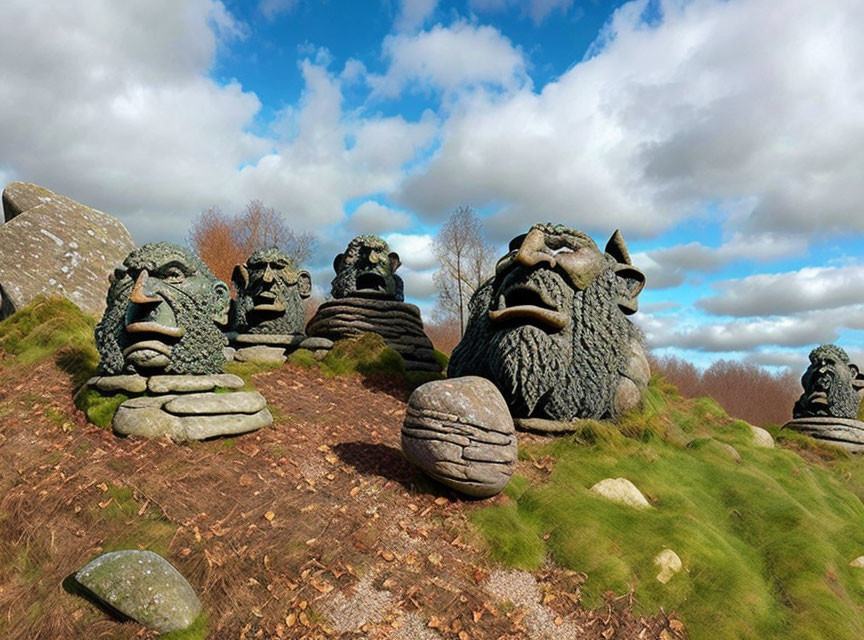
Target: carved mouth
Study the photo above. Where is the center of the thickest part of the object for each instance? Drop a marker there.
(268, 301)
(148, 354)
(371, 283)
(818, 397)
(524, 302)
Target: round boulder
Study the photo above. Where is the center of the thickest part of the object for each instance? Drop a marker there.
(459, 432)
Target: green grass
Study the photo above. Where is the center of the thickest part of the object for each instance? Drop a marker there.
(766, 543)
(367, 355)
(198, 630)
(52, 327)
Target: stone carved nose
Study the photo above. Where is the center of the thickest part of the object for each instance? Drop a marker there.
(533, 250)
(139, 293)
(268, 275)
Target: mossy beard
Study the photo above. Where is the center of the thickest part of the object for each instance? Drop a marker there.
(548, 372)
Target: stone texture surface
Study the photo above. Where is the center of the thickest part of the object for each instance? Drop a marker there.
(143, 586)
(669, 564)
(276, 339)
(129, 383)
(52, 245)
(762, 438)
(857, 563)
(460, 433)
(842, 432)
(191, 384)
(261, 353)
(192, 416)
(621, 490)
(216, 403)
(399, 323)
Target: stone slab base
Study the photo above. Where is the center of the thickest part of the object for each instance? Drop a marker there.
(399, 323)
(258, 347)
(195, 416)
(842, 432)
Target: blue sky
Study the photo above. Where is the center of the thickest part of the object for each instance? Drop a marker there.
(721, 137)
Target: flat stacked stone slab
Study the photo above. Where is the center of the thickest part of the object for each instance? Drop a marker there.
(399, 323)
(263, 347)
(842, 432)
(460, 433)
(185, 407)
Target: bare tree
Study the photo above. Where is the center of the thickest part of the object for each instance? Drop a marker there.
(223, 241)
(466, 259)
(262, 227)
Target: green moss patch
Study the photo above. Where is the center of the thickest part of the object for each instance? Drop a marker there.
(765, 543)
(367, 355)
(52, 327)
(98, 407)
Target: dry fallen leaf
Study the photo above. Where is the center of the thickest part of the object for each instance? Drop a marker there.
(270, 515)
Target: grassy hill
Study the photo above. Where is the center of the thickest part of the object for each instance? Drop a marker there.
(317, 527)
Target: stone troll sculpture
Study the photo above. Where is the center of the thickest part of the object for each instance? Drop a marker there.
(550, 331)
(828, 408)
(368, 296)
(268, 315)
(161, 338)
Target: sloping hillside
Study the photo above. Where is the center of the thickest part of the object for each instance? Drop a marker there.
(317, 527)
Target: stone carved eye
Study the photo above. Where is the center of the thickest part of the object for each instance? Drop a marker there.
(173, 275)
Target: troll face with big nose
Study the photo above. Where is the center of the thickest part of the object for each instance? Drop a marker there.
(165, 313)
(550, 328)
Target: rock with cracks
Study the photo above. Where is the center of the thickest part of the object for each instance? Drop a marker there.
(461, 434)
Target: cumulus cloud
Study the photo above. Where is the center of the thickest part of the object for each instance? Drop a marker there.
(669, 267)
(538, 10)
(418, 284)
(448, 59)
(415, 250)
(414, 13)
(718, 102)
(790, 292)
(373, 217)
(122, 115)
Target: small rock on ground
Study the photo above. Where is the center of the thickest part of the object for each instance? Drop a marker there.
(762, 438)
(669, 564)
(143, 586)
(621, 490)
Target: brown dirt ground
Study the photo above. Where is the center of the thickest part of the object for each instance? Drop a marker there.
(313, 528)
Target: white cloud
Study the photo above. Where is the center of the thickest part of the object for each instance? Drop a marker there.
(449, 59)
(538, 10)
(414, 13)
(418, 284)
(273, 8)
(725, 102)
(415, 250)
(121, 115)
(373, 217)
(669, 266)
(808, 289)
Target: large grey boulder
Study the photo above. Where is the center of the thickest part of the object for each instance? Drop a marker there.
(143, 586)
(460, 433)
(52, 245)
